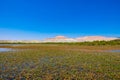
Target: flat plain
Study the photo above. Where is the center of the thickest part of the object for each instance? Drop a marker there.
(60, 62)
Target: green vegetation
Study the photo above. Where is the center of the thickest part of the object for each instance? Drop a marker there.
(60, 62)
(87, 43)
(94, 43)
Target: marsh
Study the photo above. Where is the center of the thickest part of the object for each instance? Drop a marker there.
(47, 62)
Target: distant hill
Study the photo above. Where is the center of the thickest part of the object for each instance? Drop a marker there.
(63, 39)
(79, 39)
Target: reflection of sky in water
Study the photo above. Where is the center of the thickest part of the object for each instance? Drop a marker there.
(10, 44)
(5, 49)
(113, 51)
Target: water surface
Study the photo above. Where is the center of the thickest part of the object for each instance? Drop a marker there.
(11, 44)
(5, 49)
(113, 51)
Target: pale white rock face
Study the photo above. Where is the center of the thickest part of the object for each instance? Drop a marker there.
(21, 41)
(60, 39)
(80, 39)
(65, 39)
(94, 38)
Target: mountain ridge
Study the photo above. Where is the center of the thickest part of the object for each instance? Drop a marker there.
(64, 39)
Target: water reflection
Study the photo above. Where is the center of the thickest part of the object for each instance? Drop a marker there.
(112, 51)
(5, 49)
(11, 44)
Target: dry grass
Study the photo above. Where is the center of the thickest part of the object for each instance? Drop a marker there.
(60, 62)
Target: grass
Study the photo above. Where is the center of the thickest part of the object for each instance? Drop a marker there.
(60, 62)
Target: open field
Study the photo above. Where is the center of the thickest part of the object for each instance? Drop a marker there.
(60, 62)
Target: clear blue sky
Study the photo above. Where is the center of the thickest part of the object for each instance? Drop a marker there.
(38, 19)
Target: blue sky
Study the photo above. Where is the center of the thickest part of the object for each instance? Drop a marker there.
(39, 19)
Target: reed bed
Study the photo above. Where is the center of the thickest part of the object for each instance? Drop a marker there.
(59, 62)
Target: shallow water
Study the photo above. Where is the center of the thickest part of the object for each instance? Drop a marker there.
(5, 49)
(113, 51)
(11, 44)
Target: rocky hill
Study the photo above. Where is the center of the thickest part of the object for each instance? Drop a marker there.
(63, 39)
